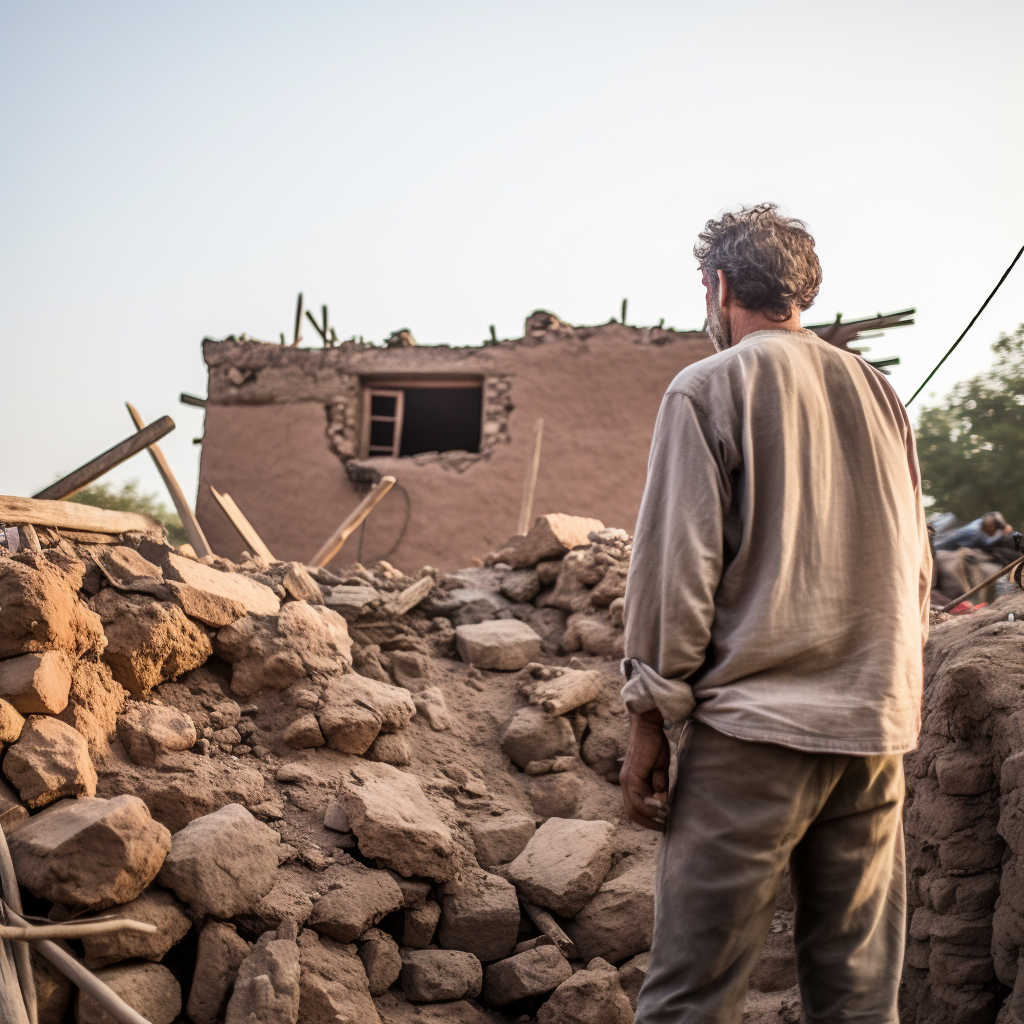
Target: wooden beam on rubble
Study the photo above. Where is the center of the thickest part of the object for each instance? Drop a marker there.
(85, 475)
(69, 515)
(337, 539)
(193, 530)
(530, 481)
(242, 526)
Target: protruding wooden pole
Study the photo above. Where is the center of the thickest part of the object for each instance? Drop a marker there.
(334, 543)
(85, 475)
(298, 322)
(243, 526)
(530, 481)
(193, 530)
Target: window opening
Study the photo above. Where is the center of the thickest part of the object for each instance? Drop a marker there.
(415, 416)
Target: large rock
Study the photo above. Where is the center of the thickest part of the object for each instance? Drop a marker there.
(94, 702)
(419, 925)
(381, 959)
(440, 975)
(223, 863)
(394, 822)
(632, 975)
(36, 684)
(267, 986)
(501, 838)
(90, 852)
(593, 996)
(154, 906)
(361, 898)
(148, 730)
(149, 989)
(288, 900)
(550, 536)
(220, 953)
(49, 761)
(526, 975)
(42, 612)
(148, 641)
(564, 864)
(11, 723)
(333, 987)
(480, 915)
(355, 709)
(275, 651)
(619, 921)
(534, 736)
(503, 645)
(255, 598)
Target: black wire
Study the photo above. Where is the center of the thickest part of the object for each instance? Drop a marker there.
(401, 533)
(1006, 274)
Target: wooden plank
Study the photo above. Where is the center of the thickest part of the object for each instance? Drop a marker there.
(334, 543)
(72, 516)
(193, 530)
(243, 526)
(530, 481)
(85, 475)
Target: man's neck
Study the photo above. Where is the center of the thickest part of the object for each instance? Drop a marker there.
(744, 321)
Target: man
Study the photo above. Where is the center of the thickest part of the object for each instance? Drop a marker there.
(777, 602)
(987, 532)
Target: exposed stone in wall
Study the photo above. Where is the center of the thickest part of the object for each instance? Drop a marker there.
(343, 417)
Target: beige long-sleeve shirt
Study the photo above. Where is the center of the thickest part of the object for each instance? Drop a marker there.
(780, 576)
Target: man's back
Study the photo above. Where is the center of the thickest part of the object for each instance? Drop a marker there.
(781, 561)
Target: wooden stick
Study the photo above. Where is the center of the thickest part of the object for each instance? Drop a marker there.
(84, 475)
(334, 543)
(549, 926)
(298, 322)
(193, 530)
(406, 600)
(19, 954)
(186, 399)
(70, 515)
(95, 989)
(530, 481)
(566, 692)
(70, 930)
(243, 526)
(981, 586)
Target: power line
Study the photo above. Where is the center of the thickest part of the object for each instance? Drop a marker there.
(1006, 274)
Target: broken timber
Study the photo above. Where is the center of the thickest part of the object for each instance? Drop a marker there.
(70, 515)
(84, 475)
(337, 539)
(242, 525)
(564, 693)
(188, 519)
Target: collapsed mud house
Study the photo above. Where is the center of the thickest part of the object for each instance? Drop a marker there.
(297, 435)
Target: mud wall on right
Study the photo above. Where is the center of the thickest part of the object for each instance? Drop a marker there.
(964, 824)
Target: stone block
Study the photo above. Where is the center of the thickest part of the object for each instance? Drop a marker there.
(394, 822)
(154, 906)
(550, 536)
(504, 645)
(90, 853)
(532, 735)
(564, 864)
(440, 975)
(333, 987)
(521, 585)
(11, 723)
(390, 748)
(304, 733)
(36, 684)
(480, 915)
(419, 924)
(500, 839)
(219, 954)
(210, 609)
(301, 585)
(555, 796)
(632, 974)
(95, 700)
(255, 598)
(593, 996)
(381, 959)
(525, 976)
(963, 774)
(355, 709)
(619, 921)
(49, 761)
(267, 986)
(223, 863)
(148, 730)
(149, 989)
(359, 898)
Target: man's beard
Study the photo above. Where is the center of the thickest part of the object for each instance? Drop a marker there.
(718, 329)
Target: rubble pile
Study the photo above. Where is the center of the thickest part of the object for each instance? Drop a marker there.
(352, 797)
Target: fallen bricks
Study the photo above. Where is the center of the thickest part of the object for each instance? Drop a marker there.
(350, 796)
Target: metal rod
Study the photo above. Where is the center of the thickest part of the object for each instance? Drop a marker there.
(84, 475)
(981, 586)
(334, 543)
(193, 530)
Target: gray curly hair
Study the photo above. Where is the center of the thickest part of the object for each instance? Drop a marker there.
(768, 260)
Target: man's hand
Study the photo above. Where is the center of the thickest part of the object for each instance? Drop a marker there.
(644, 775)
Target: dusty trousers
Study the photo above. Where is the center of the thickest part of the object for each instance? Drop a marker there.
(739, 812)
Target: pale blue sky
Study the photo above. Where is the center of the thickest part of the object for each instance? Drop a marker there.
(179, 170)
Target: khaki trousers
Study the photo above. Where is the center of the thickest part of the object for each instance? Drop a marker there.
(739, 812)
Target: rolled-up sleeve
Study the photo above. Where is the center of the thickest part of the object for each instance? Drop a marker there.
(677, 560)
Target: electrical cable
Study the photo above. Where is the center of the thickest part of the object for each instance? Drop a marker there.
(1006, 274)
(401, 533)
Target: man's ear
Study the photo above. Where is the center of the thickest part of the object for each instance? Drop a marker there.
(724, 291)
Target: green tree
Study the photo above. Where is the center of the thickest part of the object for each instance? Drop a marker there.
(129, 499)
(972, 445)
